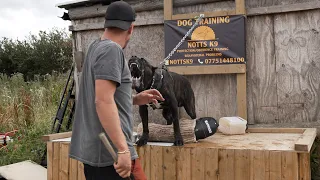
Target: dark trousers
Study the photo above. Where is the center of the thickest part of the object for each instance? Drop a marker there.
(109, 173)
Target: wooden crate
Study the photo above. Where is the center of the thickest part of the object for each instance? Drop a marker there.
(261, 154)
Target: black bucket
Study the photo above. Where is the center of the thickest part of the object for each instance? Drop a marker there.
(205, 127)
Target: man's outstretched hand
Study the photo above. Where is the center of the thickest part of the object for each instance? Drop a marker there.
(147, 96)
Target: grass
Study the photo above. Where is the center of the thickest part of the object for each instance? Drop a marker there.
(28, 107)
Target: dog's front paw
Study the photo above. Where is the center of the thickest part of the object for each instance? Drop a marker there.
(143, 140)
(178, 141)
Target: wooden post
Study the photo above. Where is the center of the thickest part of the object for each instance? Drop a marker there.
(240, 7)
(168, 9)
(241, 78)
(242, 95)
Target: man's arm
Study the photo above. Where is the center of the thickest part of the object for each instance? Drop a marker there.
(107, 72)
(108, 113)
(146, 97)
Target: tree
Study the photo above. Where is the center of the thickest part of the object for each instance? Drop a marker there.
(36, 55)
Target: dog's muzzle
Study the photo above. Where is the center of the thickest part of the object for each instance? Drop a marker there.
(136, 74)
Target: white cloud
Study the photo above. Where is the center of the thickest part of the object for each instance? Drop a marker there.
(21, 17)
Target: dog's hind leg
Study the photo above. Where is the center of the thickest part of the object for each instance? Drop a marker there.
(143, 111)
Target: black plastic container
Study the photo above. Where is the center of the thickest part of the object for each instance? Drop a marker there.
(205, 127)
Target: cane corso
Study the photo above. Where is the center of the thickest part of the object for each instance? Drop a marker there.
(175, 89)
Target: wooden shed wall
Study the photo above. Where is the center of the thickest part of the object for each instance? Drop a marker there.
(283, 64)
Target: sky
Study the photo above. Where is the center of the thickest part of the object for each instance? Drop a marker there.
(19, 18)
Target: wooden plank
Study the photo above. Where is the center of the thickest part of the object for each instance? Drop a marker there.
(168, 9)
(283, 8)
(156, 160)
(56, 161)
(143, 19)
(276, 130)
(275, 165)
(304, 166)
(170, 163)
(242, 164)
(262, 3)
(144, 156)
(223, 97)
(64, 161)
(50, 151)
(198, 158)
(206, 14)
(242, 95)
(51, 137)
(78, 58)
(226, 164)
(267, 164)
(100, 26)
(73, 169)
(184, 164)
(214, 69)
(24, 170)
(240, 7)
(208, 95)
(297, 65)
(211, 164)
(139, 6)
(158, 20)
(258, 165)
(306, 141)
(81, 171)
(99, 10)
(262, 77)
(298, 125)
(289, 168)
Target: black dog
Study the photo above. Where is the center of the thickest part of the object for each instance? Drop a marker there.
(175, 89)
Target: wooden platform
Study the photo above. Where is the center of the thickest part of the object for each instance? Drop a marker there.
(261, 154)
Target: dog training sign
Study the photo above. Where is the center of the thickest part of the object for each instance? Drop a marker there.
(214, 41)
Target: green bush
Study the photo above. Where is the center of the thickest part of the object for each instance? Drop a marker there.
(41, 54)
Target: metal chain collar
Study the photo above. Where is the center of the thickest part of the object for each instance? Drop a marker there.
(183, 39)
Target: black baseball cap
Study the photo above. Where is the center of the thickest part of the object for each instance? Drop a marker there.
(119, 14)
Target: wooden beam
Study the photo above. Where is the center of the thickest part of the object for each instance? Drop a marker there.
(305, 142)
(51, 137)
(99, 26)
(302, 125)
(240, 7)
(213, 69)
(78, 58)
(284, 8)
(276, 130)
(168, 9)
(242, 95)
(158, 20)
(206, 14)
(99, 10)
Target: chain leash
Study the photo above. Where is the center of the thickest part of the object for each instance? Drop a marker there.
(183, 39)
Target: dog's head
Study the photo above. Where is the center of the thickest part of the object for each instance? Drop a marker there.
(141, 72)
